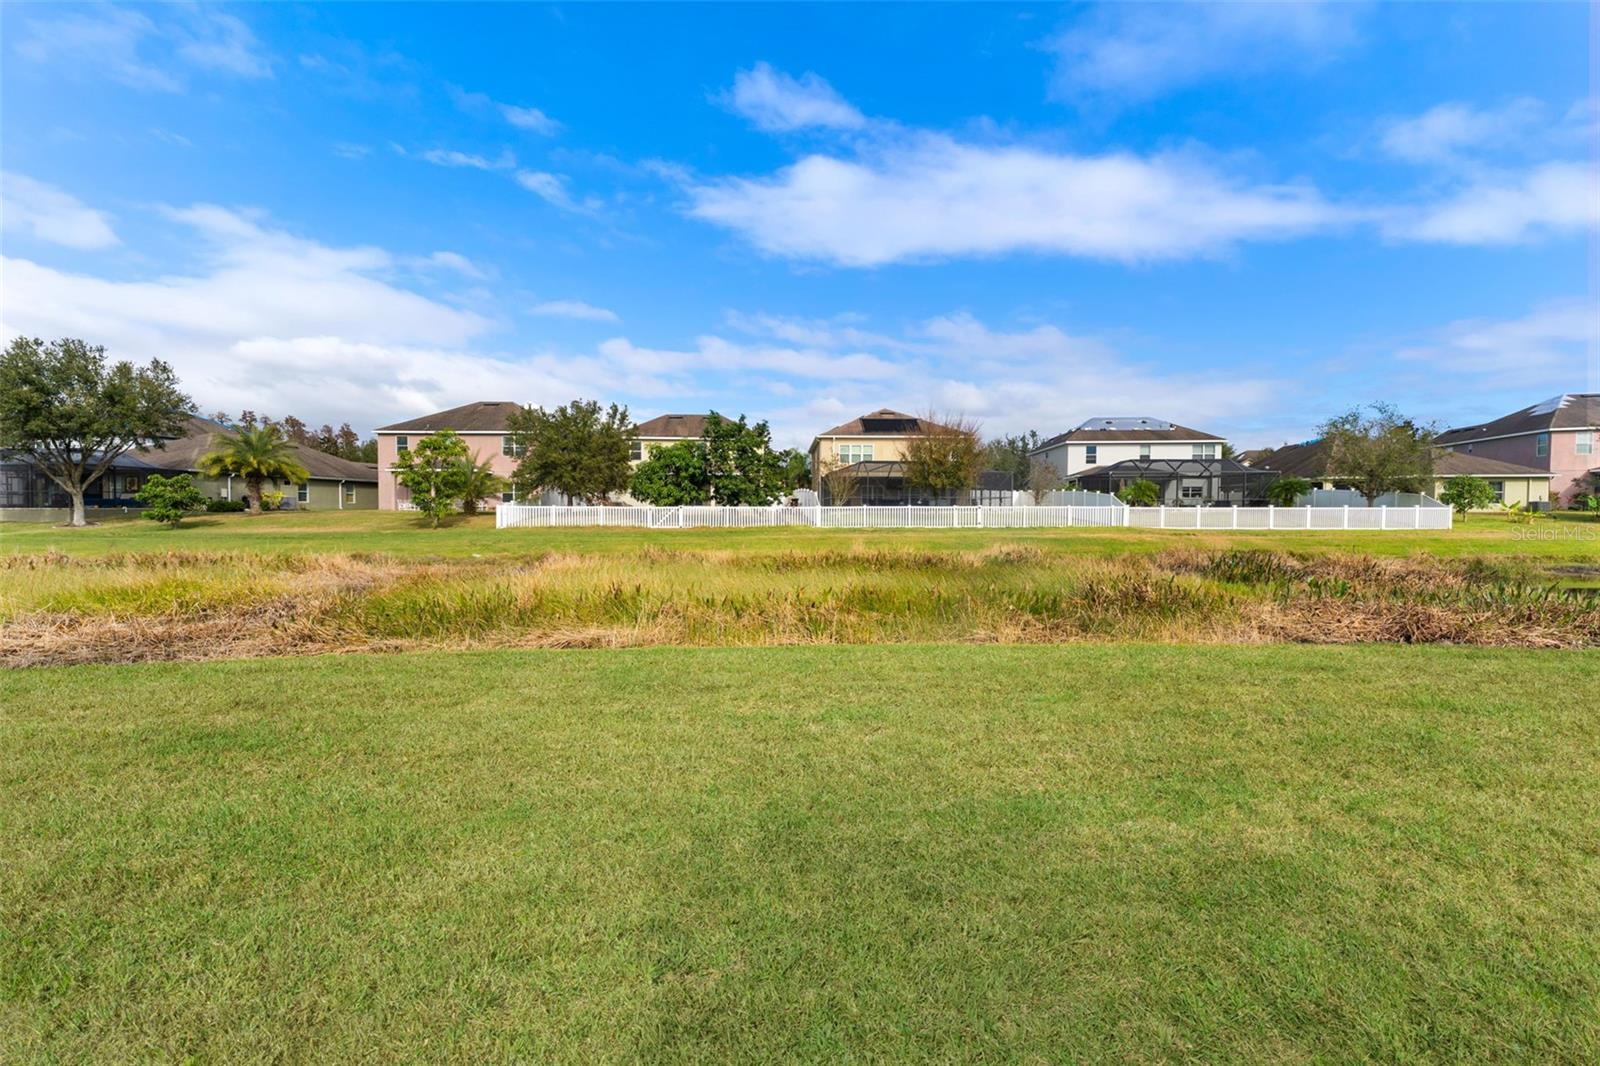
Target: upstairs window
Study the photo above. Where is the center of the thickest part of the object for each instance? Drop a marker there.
(853, 453)
(1091, 454)
(1541, 445)
(1583, 443)
(509, 446)
(636, 450)
(402, 444)
(1205, 451)
(1144, 451)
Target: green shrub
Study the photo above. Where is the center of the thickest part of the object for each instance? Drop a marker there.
(1467, 493)
(271, 501)
(225, 506)
(1141, 493)
(170, 499)
(1286, 490)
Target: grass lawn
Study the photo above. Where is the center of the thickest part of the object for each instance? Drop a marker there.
(1562, 537)
(1123, 852)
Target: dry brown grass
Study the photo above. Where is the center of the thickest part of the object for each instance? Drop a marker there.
(188, 606)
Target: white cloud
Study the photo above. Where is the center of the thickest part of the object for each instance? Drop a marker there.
(530, 118)
(552, 189)
(1134, 52)
(1550, 200)
(931, 197)
(778, 103)
(573, 309)
(270, 320)
(52, 215)
(1444, 131)
(217, 41)
(1555, 347)
(137, 51)
(453, 261)
(446, 157)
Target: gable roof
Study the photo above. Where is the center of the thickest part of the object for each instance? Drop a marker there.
(484, 416)
(1570, 410)
(202, 435)
(672, 426)
(1106, 430)
(880, 423)
(1310, 460)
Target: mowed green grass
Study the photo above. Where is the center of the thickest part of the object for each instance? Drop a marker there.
(1562, 537)
(1101, 853)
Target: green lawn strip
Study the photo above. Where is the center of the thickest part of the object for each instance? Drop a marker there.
(1115, 853)
(1563, 537)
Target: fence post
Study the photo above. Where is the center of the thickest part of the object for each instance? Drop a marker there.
(1235, 516)
(1161, 516)
(1383, 518)
(1347, 516)
(1271, 518)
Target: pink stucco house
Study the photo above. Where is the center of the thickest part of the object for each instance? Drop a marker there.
(482, 425)
(1561, 435)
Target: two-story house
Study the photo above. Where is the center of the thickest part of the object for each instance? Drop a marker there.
(1561, 435)
(1105, 441)
(862, 461)
(485, 426)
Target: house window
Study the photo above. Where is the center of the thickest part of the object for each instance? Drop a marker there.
(349, 493)
(853, 453)
(1583, 443)
(131, 485)
(402, 444)
(509, 446)
(1205, 451)
(1091, 454)
(1144, 451)
(508, 497)
(1192, 492)
(303, 492)
(1499, 488)
(1541, 445)
(636, 450)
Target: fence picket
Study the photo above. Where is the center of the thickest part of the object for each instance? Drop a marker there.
(526, 516)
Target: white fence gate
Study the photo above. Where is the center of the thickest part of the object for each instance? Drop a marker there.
(522, 516)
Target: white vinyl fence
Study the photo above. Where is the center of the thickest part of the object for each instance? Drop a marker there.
(522, 516)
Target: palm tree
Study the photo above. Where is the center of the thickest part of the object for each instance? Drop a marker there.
(480, 483)
(258, 456)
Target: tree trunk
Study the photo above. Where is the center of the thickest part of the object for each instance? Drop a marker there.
(79, 517)
(253, 486)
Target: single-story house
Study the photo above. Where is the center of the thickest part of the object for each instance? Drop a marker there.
(335, 484)
(1512, 482)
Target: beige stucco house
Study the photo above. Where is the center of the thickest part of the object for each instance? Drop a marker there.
(1101, 442)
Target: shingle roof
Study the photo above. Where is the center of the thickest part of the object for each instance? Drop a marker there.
(1570, 410)
(882, 422)
(203, 435)
(484, 416)
(1106, 430)
(1310, 460)
(672, 426)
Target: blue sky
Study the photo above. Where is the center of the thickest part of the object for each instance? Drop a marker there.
(1242, 217)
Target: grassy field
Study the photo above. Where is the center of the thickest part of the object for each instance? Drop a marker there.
(1562, 537)
(1112, 853)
